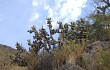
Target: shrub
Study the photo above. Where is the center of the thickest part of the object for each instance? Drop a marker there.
(103, 58)
(70, 53)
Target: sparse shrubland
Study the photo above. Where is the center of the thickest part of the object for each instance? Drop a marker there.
(72, 47)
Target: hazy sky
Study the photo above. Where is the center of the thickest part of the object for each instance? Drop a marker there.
(17, 16)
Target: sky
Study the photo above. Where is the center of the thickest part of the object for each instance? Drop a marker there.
(18, 16)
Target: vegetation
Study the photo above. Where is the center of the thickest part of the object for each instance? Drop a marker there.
(46, 52)
(5, 61)
(103, 60)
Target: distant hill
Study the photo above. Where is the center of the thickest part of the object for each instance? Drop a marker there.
(5, 52)
(5, 61)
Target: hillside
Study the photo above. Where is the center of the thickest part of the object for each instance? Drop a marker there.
(87, 61)
(95, 57)
(5, 61)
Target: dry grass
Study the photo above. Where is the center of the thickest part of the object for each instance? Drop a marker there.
(103, 58)
(5, 61)
(69, 54)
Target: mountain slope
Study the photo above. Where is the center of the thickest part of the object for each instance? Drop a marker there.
(5, 61)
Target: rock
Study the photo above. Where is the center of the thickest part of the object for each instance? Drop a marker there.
(90, 62)
(96, 46)
(89, 56)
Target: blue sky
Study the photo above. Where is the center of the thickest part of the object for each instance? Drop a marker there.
(17, 16)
